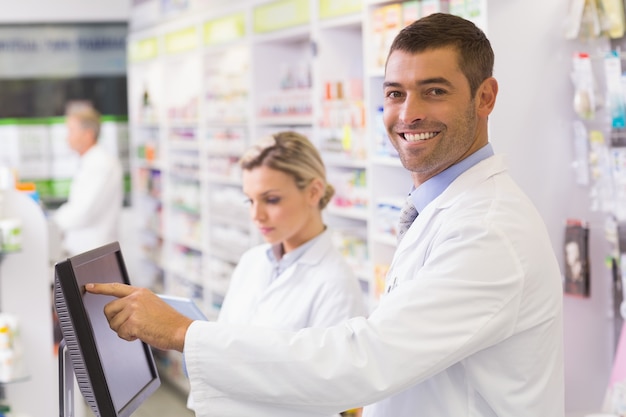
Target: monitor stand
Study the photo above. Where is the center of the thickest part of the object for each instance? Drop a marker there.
(66, 382)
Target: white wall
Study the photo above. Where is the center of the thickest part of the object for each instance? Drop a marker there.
(49, 11)
(532, 124)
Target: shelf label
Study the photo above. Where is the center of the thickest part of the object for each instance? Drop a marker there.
(280, 14)
(181, 40)
(143, 50)
(225, 29)
(334, 8)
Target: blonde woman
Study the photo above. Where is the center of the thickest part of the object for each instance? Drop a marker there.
(297, 279)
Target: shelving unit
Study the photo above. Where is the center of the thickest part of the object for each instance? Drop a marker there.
(206, 84)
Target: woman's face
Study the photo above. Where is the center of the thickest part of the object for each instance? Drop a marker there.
(282, 212)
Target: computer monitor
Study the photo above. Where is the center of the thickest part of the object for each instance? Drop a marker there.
(114, 376)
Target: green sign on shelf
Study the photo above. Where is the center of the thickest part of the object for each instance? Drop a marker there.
(25, 121)
(335, 8)
(55, 120)
(181, 40)
(51, 188)
(143, 50)
(280, 14)
(225, 29)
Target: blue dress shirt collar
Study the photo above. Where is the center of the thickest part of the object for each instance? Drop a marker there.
(433, 187)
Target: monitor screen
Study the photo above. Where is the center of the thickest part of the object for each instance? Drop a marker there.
(114, 376)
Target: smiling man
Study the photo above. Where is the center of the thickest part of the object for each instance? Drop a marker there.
(471, 324)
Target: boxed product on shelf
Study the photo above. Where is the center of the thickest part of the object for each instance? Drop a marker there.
(387, 20)
(380, 275)
(353, 246)
(225, 167)
(185, 229)
(350, 187)
(231, 140)
(411, 11)
(434, 6)
(226, 85)
(387, 215)
(285, 103)
(186, 262)
(382, 144)
(12, 366)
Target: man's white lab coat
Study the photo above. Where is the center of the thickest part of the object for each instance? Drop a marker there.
(472, 326)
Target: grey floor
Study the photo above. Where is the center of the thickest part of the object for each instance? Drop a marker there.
(165, 402)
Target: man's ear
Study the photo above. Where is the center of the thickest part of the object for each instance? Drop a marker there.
(486, 97)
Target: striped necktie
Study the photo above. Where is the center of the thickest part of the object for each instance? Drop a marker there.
(407, 215)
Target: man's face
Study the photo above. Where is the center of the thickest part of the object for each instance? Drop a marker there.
(78, 138)
(430, 116)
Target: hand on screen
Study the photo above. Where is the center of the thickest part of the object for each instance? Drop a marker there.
(138, 313)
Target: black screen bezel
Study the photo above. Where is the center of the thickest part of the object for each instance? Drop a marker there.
(73, 291)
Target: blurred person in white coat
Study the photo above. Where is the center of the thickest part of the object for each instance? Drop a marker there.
(472, 320)
(91, 215)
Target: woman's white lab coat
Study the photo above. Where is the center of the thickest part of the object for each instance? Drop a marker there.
(472, 326)
(318, 290)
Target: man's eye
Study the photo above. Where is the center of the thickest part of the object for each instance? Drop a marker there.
(437, 92)
(393, 94)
